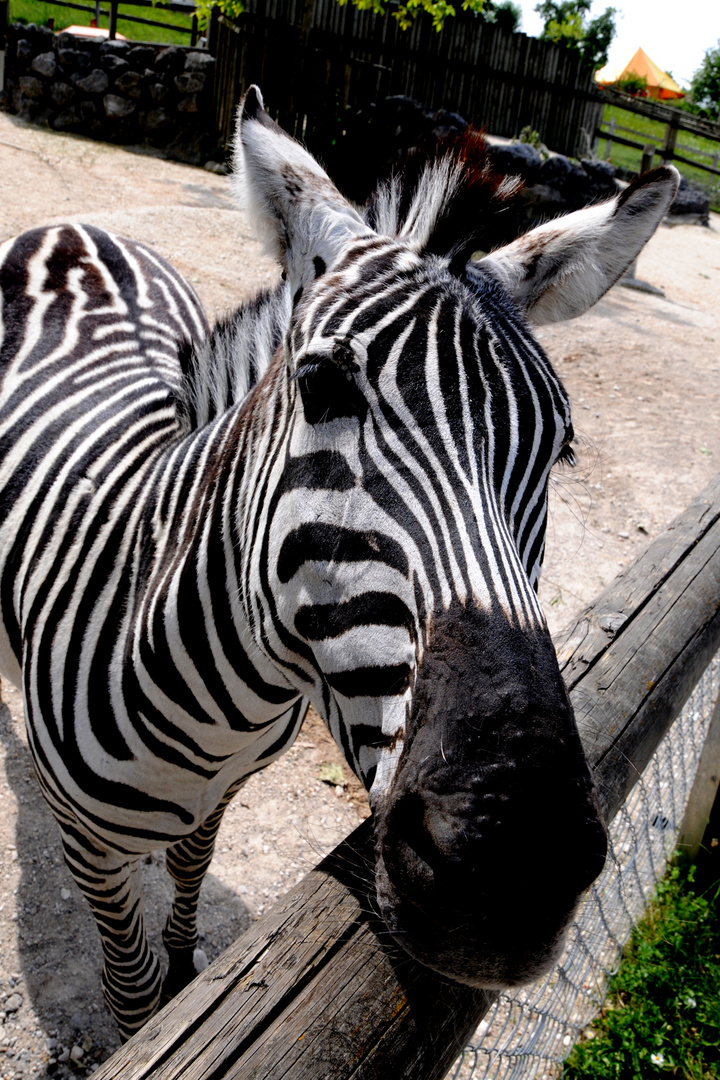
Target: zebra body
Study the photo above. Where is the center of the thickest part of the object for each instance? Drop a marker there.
(339, 496)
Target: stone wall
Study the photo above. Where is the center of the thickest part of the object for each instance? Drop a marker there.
(116, 91)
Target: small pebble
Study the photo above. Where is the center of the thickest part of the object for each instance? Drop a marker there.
(65, 893)
(62, 1057)
(77, 1053)
(13, 1003)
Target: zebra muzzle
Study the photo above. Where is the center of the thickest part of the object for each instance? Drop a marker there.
(490, 831)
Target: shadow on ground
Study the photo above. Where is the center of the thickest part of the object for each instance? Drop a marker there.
(57, 941)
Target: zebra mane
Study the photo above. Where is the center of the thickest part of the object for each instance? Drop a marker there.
(222, 370)
(444, 202)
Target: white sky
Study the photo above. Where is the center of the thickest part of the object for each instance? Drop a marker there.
(673, 33)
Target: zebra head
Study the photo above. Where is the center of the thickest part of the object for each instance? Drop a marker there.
(396, 583)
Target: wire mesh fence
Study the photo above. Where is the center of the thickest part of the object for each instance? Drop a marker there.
(529, 1032)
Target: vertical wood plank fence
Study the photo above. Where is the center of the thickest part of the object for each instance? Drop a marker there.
(314, 60)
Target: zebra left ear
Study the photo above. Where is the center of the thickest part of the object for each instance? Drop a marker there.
(563, 267)
(299, 213)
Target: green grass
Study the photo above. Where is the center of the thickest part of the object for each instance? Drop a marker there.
(36, 11)
(662, 1015)
(628, 158)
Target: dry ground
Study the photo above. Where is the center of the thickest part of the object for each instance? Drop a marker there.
(643, 375)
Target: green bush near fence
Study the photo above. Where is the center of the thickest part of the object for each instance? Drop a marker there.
(662, 1015)
(36, 11)
(629, 158)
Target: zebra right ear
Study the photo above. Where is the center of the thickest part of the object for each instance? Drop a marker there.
(299, 213)
(560, 269)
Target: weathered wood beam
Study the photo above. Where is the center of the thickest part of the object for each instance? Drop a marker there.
(315, 990)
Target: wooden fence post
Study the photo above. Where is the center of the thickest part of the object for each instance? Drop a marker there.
(4, 18)
(112, 29)
(668, 151)
(704, 790)
(611, 132)
(212, 30)
(647, 158)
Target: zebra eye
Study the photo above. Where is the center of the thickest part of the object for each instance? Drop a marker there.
(327, 385)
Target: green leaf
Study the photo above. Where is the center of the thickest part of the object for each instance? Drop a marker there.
(332, 774)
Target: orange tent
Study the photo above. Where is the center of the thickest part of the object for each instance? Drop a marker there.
(660, 85)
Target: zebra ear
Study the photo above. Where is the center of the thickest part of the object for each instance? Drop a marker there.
(300, 215)
(563, 267)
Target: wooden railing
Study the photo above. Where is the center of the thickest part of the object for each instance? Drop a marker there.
(675, 121)
(187, 7)
(315, 990)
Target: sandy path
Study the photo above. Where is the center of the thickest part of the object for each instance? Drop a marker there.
(643, 376)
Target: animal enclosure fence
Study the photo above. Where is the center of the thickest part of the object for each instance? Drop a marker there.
(316, 990)
(675, 122)
(318, 60)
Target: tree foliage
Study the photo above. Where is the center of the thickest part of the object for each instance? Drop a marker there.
(705, 85)
(567, 23)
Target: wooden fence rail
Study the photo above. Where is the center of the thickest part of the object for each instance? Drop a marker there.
(315, 990)
(315, 60)
(675, 121)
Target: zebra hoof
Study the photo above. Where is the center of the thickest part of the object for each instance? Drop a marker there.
(183, 967)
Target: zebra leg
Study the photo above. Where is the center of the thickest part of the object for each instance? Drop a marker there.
(131, 975)
(187, 862)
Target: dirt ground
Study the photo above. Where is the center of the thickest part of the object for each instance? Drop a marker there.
(642, 372)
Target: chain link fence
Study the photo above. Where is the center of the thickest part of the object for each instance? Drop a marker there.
(529, 1032)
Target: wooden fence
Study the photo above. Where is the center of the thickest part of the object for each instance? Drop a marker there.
(187, 7)
(315, 990)
(314, 60)
(675, 121)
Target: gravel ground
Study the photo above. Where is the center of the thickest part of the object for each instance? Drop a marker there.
(643, 375)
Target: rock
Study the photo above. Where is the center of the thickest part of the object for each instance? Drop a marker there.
(690, 200)
(141, 57)
(77, 1053)
(75, 60)
(45, 64)
(30, 87)
(23, 50)
(96, 82)
(70, 119)
(114, 48)
(201, 61)
(602, 177)
(158, 92)
(570, 180)
(155, 120)
(171, 60)
(191, 82)
(89, 112)
(118, 107)
(12, 1003)
(61, 93)
(188, 104)
(447, 122)
(114, 65)
(217, 167)
(130, 84)
(517, 159)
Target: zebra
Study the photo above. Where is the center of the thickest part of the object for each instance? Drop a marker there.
(338, 497)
